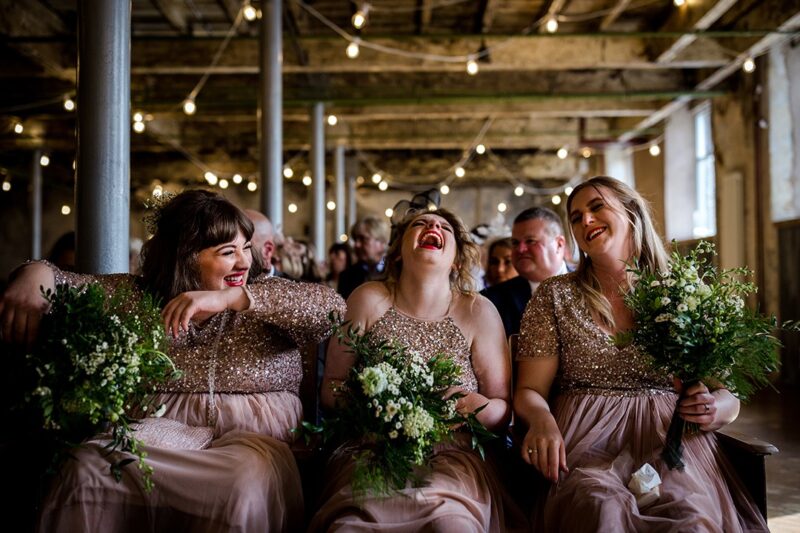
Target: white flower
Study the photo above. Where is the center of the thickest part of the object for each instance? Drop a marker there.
(691, 303)
(665, 300)
(703, 290)
(655, 283)
(373, 381)
(417, 423)
(664, 317)
(393, 434)
(690, 289)
(669, 282)
(682, 308)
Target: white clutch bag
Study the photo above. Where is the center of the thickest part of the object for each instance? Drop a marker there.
(171, 434)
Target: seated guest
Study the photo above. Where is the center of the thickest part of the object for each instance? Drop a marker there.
(340, 257)
(427, 304)
(538, 247)
(613, 409)
(263, 242)
(62, 254)
(500, 267)
(237, 346)
(369, 237)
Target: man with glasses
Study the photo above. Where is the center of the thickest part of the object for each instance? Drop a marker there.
(369, 237)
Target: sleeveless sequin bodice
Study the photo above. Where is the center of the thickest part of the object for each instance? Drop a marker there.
(428, 338)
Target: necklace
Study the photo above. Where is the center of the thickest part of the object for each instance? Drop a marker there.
(399, 308)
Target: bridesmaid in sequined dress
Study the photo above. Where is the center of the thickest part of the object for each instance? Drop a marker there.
(237, 347)
(612, 410)
(429, 305)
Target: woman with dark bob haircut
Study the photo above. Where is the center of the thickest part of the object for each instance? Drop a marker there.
(219, 453)
(428, 304)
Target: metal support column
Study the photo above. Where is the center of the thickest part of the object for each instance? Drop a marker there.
(271, 112)
(318, 175)
(102, 187)
(351, 170)
(340, 183)
(36, 205)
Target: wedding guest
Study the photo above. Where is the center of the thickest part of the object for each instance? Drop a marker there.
(500, 267)
(427, 304)
(538, 248)
(263, 242)
(612, 411)
(62, 254)
(237, 346)
(369, 237)
(340, 257)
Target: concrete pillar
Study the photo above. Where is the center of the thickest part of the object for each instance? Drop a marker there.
(271, 112)
(351, 166)
(102, 186)
(36, 205)
(318, 175)
(340, 177)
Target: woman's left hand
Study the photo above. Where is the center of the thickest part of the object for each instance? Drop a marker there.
(197, 306)
(699, 406)
(469, 402)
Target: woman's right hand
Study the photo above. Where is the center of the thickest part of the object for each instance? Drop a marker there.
(22, 304)
(543, 447)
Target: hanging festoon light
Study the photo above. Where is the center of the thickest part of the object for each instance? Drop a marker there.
(138, 127)
(332, 120)
(480, 149)
(679, 3)
(138, 116)
(331, 205)
(18, 128)
(562, 152)
(211, 178)
(502, 207)
(307, 181)
(252, 186)
(568, 191)
(66, 210)
(223, 184)
(44, 160)
(444, 189)
(749, 65)
(389, 212)
(288, 172)
(556, 199)
(472, 66)
(383, 186)
(6, 185)
(158, 190)
(518, 190)
(353, 49)
(249, 11)
(551, 24)
(237, 178)
(586, 152)
(654, 150)
(292, 208)
(359, 18)
(189, 106)
(69, 103)
(376, 178)
(460, 172)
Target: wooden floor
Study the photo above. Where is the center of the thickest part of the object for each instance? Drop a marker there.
(774, 416)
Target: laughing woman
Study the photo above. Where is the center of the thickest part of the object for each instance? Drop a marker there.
(237, 346)
(428, 305)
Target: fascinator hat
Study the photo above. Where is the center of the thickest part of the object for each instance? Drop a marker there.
(419, 203)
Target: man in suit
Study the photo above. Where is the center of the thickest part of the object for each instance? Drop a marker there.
(369, 236)
(538, 248)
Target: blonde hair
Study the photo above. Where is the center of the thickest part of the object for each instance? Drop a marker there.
(647, 247)
(467, 252)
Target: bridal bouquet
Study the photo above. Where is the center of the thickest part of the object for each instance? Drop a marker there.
(97, 360)
(393, 408)
(693, 321)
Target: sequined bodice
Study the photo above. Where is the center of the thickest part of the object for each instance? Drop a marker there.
(428, 338)
(243, 352)
(558, 323)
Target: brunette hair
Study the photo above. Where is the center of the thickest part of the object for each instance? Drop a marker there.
(467, 252)
(188, 223)
(647, 247)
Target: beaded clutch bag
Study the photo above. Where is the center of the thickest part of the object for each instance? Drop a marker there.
(171, 434)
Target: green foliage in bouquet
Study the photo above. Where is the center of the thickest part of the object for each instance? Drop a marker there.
(97, 360)
(393, 412)
(694, 323)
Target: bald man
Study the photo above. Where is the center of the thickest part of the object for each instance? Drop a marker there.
(263, 241)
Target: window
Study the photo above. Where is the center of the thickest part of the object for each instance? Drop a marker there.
(704, 216)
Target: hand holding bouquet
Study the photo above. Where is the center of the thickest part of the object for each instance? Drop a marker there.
(97, 360)
(394, 406)
(693, 321)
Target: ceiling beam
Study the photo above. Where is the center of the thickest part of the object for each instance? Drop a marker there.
(175, 12)
(612, 16)
(698, 15)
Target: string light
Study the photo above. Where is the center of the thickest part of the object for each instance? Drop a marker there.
(252, 186)
(444, 189)
(502, 207)
(389, 212)
(376, 178)
(359, 18)
(460, 172)
(6, 185)
(307, 181)
(18, 128)
(472, 66)
(138, 116)
(749, 65)
(480, 149)
(189, 107)
(249, 12)
(343, 237)
(223, 184)
(360, 180)
(66, 210)
(288, 172)
(678, 3)
(654, 150)
(556, 199)
(158, 190)
(211, 178)
(586, 152)
(331, 205)
(44, 160)
(292, 208)
(332, 120)
(519, 191)
(551, 24)
(237, 178)
(352, 50)
(562, 152)
(568, 191)
(383, 185)
(138, 127)
(69, 103)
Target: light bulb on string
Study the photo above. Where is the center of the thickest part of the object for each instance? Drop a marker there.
(678, 3)
(472, 66)
(519, 191)
(237, 178)
(18, 128)
(556, 199)
(444, 189)
(138, 127)
(331, 205)
(223, 184)
(376, 178)
(249, 12)
(158, 190)
(69, 103)
(292, 208)
(252, 186)
(332, 120)
(551, 25)
(359, 18)
(460, 172)
(307, 181)
(383, 185)
(288, 172)
(138, 116)
(654, 150)
(586, 152)
(480, 149)
(66, 210)
(352, 50)
(563, 152)
(6, 185)
(568, 191)
(44, 160)
(189, 106)
(502, 207)
(211, 178)
(389, 212)
(749, 65)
